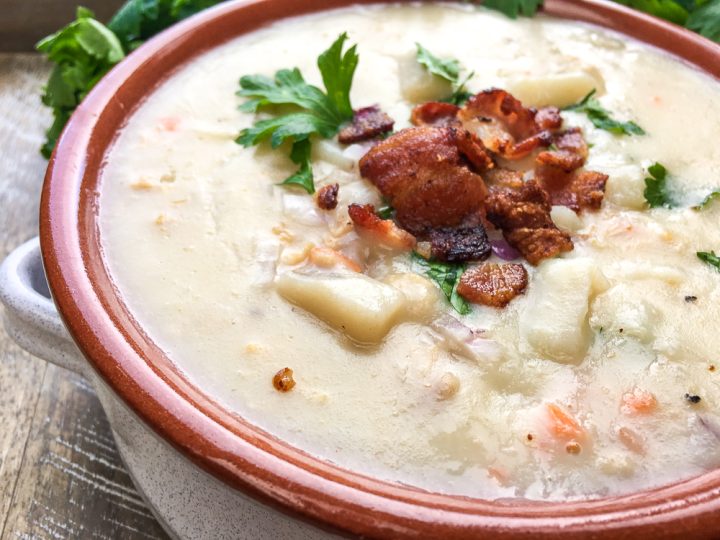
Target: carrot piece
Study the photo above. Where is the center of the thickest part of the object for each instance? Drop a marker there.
(638, 401)
(328, 258)
(564, 425)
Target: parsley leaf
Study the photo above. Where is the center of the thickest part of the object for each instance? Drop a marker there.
(656, 191)
(671, 10)
(705, 20)
(710, 258)
(385, 212)
(447, 276)
(448, 69)
(300, 155)
(707, 201)
(321, 113)
(513, 8)
(601, 118)
(85, 50)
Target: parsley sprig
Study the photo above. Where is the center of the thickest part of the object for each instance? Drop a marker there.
(710, 258)
(601, 119)
(708, 200)
(448, 69)
(656, 190)
(85, 50)
(447, 276)
(701, 16)
(513, 8)
(317, 112)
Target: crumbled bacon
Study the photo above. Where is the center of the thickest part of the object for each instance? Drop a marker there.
(459, 245)
(505, 126)
(493, 284)
(557, 171)
(548, 118)
(424, 174)
(283, 380)
(384, 231)
(367, 123)
(523, 214)
(436, 114)
(327, 197)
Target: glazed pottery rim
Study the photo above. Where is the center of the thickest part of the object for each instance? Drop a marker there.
(240, 454)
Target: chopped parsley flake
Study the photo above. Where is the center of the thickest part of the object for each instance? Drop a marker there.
(601, 119)
(447, 276)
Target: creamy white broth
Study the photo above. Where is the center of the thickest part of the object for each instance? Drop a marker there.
(194, 229)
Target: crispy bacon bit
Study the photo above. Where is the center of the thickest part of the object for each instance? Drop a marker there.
(367, 123)
(283, 380)
(459, 245)
(504, 125)
(548, 118)
(436, 114)
(493, 284)
(426, 178)
(523, 215)
(384, 231)
(327, 197)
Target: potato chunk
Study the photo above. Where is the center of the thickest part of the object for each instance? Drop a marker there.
(560, 90)
(554, 323)
(417, 84)
(360, 307)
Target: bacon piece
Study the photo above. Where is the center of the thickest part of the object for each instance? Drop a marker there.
(384, 231)
(548, 118)
(327, 197)
(435, 113)
(557, 171)
(523, 214)
(424, 174)
(367, 123)
(505, 126)
(493, 284)
(459, 245)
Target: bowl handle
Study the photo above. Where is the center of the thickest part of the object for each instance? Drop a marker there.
(30, 315)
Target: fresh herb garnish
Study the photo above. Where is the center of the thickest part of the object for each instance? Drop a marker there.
(448, 69)
(85, 50)
(601, 119)
(385, 212)
(447, 276)
(710, 258)
(513, 8)
(702, 16)
(656, 190)
(707, 201)
(321, 113)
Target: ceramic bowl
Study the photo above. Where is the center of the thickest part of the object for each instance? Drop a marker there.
(163, 414)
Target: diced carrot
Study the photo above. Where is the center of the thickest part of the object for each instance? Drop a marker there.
(563, 425)
(631, 440)
(328, 258)
(638, 401)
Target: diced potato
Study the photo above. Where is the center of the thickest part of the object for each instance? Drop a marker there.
(331, 152)
(560, 90)
(417, 84)
(626, 186)
(566, 219)
(641, 271)
(423, 298)
(554, 323)
(621, 309)
(360, 307)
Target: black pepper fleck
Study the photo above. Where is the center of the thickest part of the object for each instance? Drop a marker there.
(693, 398)
(691, 298)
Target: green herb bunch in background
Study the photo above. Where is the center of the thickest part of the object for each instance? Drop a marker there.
(85, 50)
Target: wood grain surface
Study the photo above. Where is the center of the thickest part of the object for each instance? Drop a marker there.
(60, 473)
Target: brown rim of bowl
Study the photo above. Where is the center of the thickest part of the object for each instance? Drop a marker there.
(244, 456)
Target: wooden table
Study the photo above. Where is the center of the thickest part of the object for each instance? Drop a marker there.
(60, 473)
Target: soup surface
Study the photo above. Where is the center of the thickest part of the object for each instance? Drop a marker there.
(602, 377)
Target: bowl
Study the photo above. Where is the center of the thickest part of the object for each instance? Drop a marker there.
(135, 377)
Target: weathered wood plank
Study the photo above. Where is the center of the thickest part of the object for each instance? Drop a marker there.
(60, 474)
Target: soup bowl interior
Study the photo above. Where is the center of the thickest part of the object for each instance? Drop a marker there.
(222, 442)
